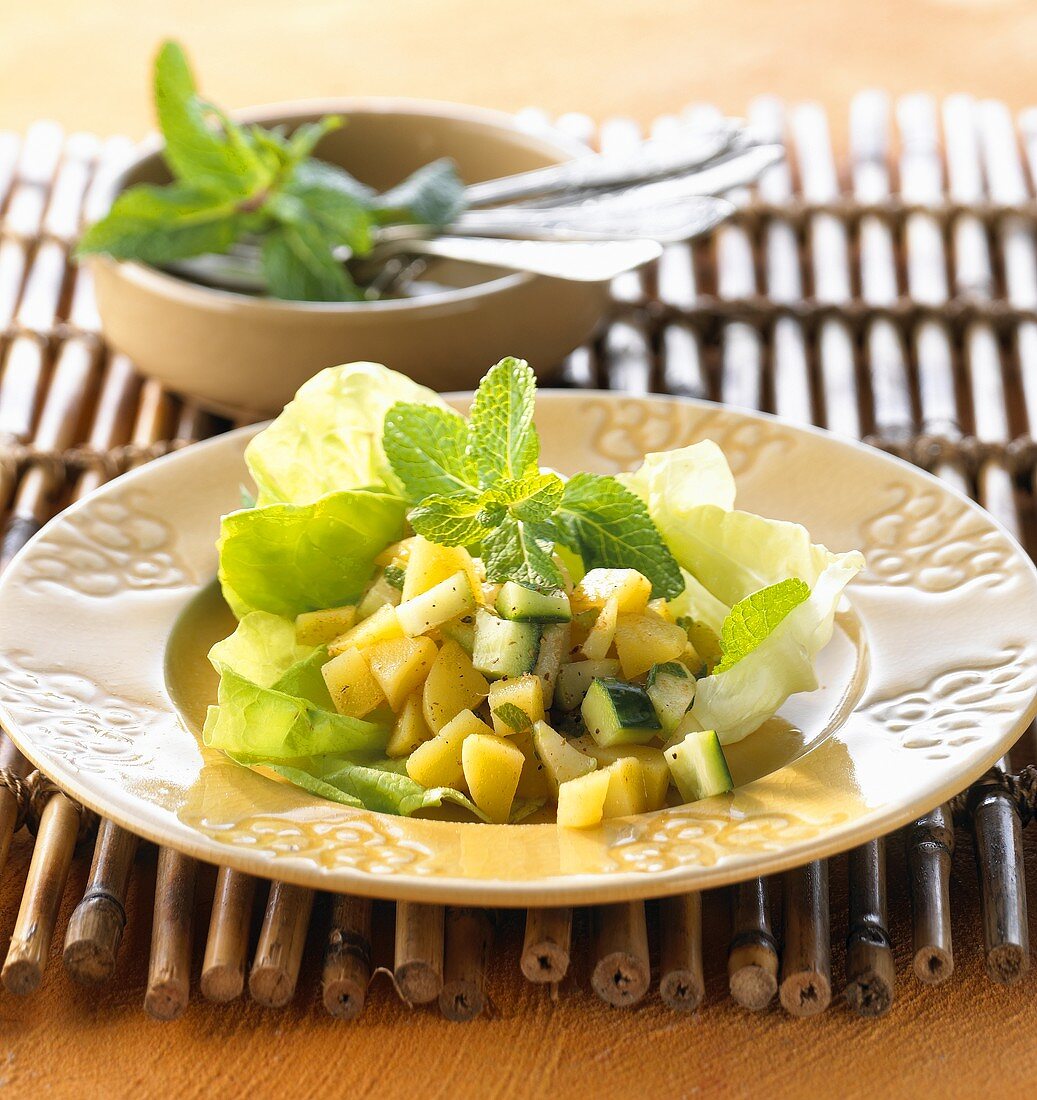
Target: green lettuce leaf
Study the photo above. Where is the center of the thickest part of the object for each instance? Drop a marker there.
(290, 558)
(727, 557)
(381, 785)
(272, 702)
(737, 701)
(330, 437)
(677, 481)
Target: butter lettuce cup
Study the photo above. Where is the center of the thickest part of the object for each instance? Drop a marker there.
(243, 355)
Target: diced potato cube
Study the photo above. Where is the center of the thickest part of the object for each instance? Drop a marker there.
(654, 769)
(581, 801)
(429, 564)
(661, 608)
(444, 601)
(320, 627)
(533, 780)
(398, 553)
(452, 685)
(599, 640)
(382, 626)
(524, 692)
(353, 690)
(646, 640)
(626, 790)
(400, 666)
(492, 767)
(410, 729)
(437, 763)
(561, 759)
(630, 588)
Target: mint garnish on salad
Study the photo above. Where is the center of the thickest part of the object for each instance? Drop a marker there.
(480, 486)
(426, 616)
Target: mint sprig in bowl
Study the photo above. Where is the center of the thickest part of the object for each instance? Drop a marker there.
(270, 180)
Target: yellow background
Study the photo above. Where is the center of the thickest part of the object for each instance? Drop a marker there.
(85, 62)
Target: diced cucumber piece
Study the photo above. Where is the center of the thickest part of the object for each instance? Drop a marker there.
(704, 639)
(555, 643)
(441, 603)
(561, 760)
(462, 631)
(378, 595)
(575, 679)
(671, 687)
(698, 766)
(527, 605)
(504, 648)
(617, 713)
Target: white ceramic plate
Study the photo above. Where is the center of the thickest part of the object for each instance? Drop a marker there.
(931, 675)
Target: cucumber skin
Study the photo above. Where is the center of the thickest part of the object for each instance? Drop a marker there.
(491, 639)
(638, 725)
(699, 767)
(525, 605)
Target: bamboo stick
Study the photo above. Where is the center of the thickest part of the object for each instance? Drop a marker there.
(226, 947)
(931, 839)
(58, 427)
(870, 973)
(622, 971)
(52, 856)
(547, 943)
(627, 348)
(347, 957)
(995, 820)
(681, 984)
(752, 962)
(930, 845)
(418, 966)
(169, 971)
(96, 926)
(806, 967)
(275, 969)
(683, 368)
(469, 938)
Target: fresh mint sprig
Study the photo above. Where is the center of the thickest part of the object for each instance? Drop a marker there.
(233, 182)
(479, 485)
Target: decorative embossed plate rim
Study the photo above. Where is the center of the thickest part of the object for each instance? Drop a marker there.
(947, 660)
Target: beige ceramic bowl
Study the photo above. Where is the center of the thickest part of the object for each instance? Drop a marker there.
(236, 354)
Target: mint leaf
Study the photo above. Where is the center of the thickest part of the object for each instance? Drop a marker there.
(341, 218)
(433, 195)
(318, 173)
(455, 520)
(532, 498)
(305, 138)
(609, 527)
(195, 151)
(501, 433)
(513, 717)
(157, 225)
(516, 551)
(298, 265)
(752, 620)
(427, 448)
(394, 576)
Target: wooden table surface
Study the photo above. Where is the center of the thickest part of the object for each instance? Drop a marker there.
(85, 64)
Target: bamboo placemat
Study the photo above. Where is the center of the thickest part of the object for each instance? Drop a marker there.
(893, 301)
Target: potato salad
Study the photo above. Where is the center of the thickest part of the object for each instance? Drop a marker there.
(427, 616)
